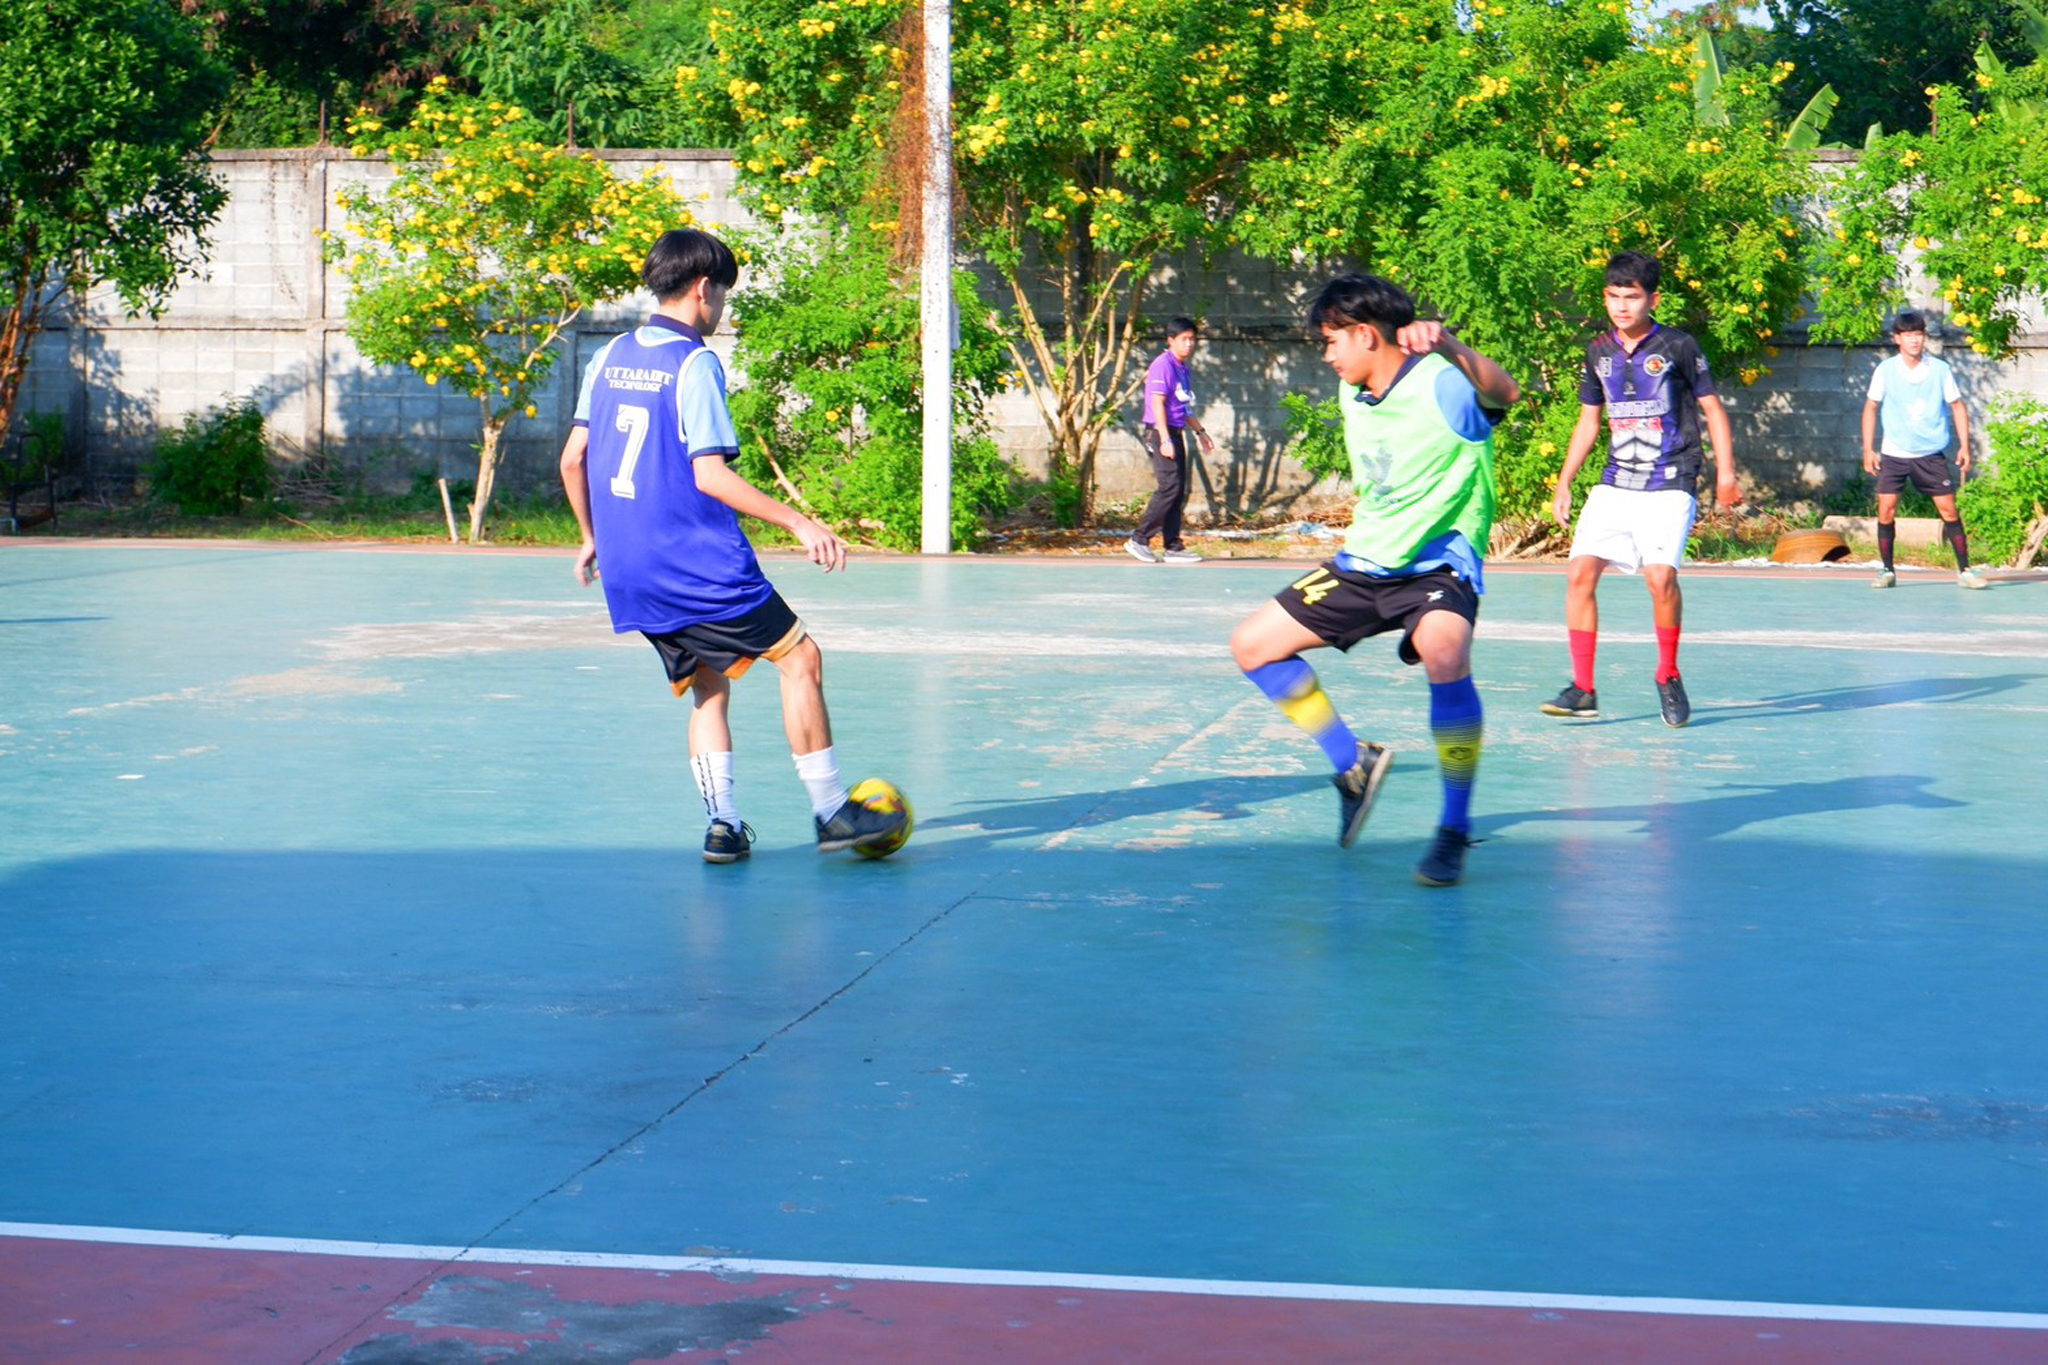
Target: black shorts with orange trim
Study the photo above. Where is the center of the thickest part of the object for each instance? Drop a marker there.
(1343, 607)
(768, 632)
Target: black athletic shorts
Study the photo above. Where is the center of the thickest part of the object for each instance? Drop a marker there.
(1343, 607)
(1928, 473)
(768, 632)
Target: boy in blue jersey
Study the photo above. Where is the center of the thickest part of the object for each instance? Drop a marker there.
(647, 471)
(1653, 384)
(1419, 411)
(1922, 408)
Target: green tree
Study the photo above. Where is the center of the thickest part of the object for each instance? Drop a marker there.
(291, 56)
(104, 105)
(1880, 55)
(1511, 158)
(485, 246)
(1963, 201)
(1093, 137)
(833, 404)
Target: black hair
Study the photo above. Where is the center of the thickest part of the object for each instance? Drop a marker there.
(1636, 268)
(683, 256)
(1912, 320)
(1351, 299)
(1177, 324)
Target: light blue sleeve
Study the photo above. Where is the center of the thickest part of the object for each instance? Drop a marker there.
(702, 419)
(1459, 403)
(590, 374)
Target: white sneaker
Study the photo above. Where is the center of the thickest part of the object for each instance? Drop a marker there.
(1138, 550)
(1181, 557)
(1970, 578)
(1885, 579)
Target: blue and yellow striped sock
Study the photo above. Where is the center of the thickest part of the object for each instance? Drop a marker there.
(1457, 721)
(1292, 685)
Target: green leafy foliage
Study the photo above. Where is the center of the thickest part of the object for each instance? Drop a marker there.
(833, 408)
(104, 106)
(1966, 197)
(38, 458)
(214, 462)
(2000, 505)
(1492, 169)
(485, 246)
(1092, 138)
(1315, 434)
(1880, 55)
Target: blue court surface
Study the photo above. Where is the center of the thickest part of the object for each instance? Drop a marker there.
(366, 998)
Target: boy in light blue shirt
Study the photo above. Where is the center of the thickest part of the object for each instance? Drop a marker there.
(1915, 396)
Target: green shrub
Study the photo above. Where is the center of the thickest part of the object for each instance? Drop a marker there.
(1315, 435)
(38, 456)
(214, 461)
(833, 396)
(2001, 503)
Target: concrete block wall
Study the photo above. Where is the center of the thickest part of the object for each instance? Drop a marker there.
(266, 318)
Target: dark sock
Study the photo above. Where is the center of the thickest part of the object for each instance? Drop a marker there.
(1887, 533)
(1952, 531)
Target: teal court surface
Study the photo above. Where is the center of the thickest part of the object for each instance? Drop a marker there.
(365, 998)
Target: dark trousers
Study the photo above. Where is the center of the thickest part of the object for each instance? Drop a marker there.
(1170, 494)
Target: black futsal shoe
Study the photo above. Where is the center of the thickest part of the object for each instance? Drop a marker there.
(854, 825)
(1671, 699)
(1444, 864)
(1356, 787)
(1574, 701)
(724, 844)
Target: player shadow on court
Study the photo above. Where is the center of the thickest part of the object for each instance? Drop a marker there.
(1903, 693)
(1745, 804)
(1222, 798)
(49, 620)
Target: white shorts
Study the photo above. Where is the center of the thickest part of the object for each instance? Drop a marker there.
(1629, 528)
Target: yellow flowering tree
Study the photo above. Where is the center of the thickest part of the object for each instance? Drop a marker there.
(1969, 199)
(486, 245)
(1093, 138)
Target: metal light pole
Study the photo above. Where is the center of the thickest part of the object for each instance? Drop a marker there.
(936, 278)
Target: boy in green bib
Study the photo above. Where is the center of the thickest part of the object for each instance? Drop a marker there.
(1419, 410)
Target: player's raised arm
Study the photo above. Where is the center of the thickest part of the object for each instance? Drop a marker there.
(1497, 388)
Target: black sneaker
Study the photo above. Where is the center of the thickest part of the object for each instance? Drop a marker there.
(1356, 787)
(853, 825)
(724, 844)
(1444, 864)
(1574, 701)
(1671, 699)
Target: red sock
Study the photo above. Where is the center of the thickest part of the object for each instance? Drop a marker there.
(1582, 643)
(1667, 653)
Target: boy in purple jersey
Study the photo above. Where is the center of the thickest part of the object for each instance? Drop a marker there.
(647, 474)
(1169, 417)
(1653, 384)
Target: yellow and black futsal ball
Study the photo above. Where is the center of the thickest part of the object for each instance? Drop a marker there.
(879, 795)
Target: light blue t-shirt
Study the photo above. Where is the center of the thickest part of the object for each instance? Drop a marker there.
(668, 555)
(1912, 406)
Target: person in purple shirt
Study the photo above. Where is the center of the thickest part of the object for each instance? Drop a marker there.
(646, 468)
(1169, 416)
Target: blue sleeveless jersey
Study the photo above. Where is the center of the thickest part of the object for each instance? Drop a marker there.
(653, 401)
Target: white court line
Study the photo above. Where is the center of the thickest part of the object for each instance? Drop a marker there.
(1250, 1289)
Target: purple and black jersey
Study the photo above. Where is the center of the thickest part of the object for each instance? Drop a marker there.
(1653, 413)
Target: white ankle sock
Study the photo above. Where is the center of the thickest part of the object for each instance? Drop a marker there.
(820, 774)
